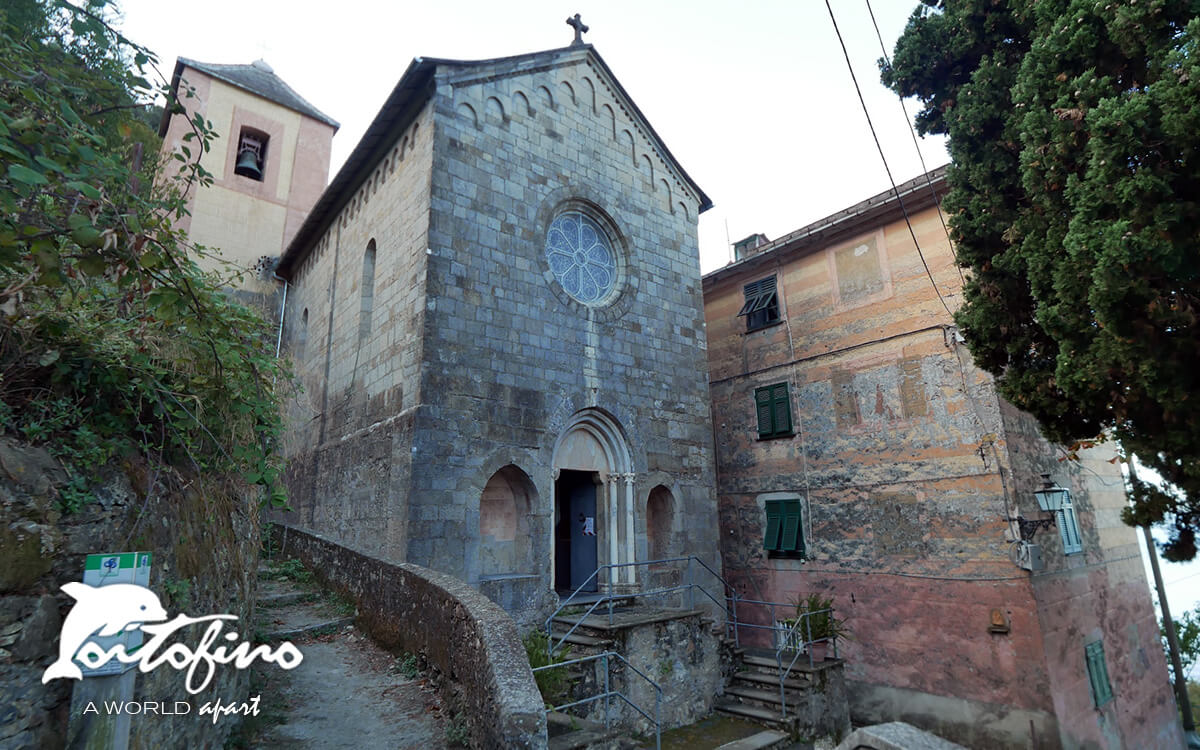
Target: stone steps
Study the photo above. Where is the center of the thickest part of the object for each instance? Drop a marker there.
(572, 733)
(579, 639)
(754, 713)
(800, 667)
(762, 695)
(768, 678)
(291, 611)
(754, 692)
(319, 627)
(282, 600)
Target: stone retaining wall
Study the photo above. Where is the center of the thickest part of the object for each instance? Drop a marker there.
(203, 535)
(466, 637)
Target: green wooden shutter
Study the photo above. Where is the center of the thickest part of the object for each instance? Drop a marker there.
(762, 400)
(793, 534)
(1068, 529)
(774, 525)
(1098, 673)
(782, 407)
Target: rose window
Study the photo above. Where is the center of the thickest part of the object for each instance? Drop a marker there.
(581, 257)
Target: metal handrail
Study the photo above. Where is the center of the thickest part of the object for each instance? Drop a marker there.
(788, 636)
(732, 622)
(609, 692)
(609, 597)
(802, 617)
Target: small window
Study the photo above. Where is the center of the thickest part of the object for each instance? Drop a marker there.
(1098, 673)
(368, 292)
(785, 531)
(762, 304)
(1068, 528)
(251, 154)
(302, 337)
(774, 410)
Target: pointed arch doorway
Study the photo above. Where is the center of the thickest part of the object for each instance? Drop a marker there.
(593, 504)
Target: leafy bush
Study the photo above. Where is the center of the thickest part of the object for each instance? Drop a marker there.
(113, 341)
(289, 570)
(552, 683)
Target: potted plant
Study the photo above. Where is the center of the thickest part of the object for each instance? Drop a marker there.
(822, 626)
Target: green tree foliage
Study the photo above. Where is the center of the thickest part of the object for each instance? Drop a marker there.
(113, 341)
(1074, 198)
(1187, 630)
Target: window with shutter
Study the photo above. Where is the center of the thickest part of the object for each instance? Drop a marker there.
(785, 529)
(1068, 528)
(761, 307)
(773, 408)
(774, 526)
(1098, 673)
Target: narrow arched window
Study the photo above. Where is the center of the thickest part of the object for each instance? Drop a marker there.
(302, 337)
(368, 292)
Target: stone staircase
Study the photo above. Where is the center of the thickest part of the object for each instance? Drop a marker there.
(288, 610)
(584, 641)
(815, 696)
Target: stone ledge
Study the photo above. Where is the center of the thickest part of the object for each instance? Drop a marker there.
(470, 640)
(895, 735)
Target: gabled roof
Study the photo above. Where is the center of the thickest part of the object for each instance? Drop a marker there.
(258, 78)
(401, 108)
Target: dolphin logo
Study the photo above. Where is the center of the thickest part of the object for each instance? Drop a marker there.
(109, 609)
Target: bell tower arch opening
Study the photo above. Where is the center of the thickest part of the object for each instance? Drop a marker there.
(593, 504)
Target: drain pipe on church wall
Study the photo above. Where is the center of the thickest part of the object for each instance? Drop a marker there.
(282, 310)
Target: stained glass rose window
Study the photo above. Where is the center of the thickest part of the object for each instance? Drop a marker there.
(581, 257)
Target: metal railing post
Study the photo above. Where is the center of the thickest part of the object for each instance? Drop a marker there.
(737, 632)
(657, 719)
(691, 582)
(808, 639)
(609, 572)
(607, 690)
(779, 663)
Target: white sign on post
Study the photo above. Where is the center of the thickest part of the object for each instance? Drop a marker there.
(105, 570)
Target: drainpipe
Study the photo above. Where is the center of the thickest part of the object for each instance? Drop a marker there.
(1181, 696)
(282, 309)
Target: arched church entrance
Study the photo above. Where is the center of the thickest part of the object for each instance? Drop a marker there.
(593, 504)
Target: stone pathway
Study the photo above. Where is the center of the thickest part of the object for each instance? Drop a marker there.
(348, 692)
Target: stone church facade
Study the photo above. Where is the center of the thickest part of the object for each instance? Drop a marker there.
(496, 313)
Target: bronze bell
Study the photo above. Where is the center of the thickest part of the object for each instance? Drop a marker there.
(247, 164)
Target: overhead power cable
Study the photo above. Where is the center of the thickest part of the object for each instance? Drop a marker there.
(916, 144)
(879, 146)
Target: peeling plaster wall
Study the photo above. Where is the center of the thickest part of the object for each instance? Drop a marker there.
(1098, 594)
(904, 514)
(909, 463)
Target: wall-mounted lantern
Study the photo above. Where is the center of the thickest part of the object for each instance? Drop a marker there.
(1050, 499)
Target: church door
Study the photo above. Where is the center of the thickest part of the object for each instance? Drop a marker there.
(575, 532)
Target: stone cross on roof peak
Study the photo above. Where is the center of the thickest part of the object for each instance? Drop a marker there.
(579, 26)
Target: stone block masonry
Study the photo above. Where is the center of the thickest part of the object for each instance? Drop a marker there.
(468, 639)
(477, 363)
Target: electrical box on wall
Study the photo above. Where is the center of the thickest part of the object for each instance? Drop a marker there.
(1029, 556)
